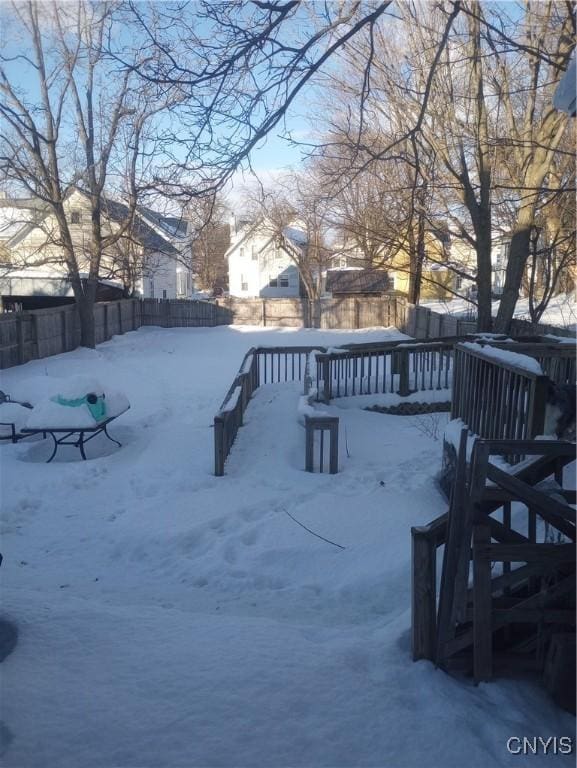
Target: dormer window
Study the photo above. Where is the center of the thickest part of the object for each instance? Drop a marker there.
(76, 217)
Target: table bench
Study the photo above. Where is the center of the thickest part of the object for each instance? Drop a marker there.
(61, 435)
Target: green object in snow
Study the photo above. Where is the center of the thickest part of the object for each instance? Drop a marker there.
(96, 404)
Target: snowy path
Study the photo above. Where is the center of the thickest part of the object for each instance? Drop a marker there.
(171, 618)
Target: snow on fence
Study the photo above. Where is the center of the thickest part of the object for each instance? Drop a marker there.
(231, 413)
(396, 367)
(497, 393)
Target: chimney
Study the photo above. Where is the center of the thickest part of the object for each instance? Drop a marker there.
(232, 223)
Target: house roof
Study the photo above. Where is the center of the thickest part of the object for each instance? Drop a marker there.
(141, 231)
(172, 225)
(358, 281)
(112, 210)
(292, 236)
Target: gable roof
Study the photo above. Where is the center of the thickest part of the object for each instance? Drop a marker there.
(358, 281)
(173, 225)
(146, 235)
(292, 236)
(113, 210)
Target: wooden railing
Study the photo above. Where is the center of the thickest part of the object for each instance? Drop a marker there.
(396, 367)
(450, 615)
(230, 416)
(260, 365)
(500, 400)
(276, 365)
(557, 361)
(495, 398)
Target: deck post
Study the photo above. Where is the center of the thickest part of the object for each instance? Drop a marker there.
(423, 591)
(218, 446)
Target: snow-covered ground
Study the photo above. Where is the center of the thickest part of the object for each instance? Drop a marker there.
(171, 618)
(561, 310)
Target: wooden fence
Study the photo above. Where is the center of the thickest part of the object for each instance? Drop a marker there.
(40, 333)
(181, 313)
(396, 367)
(353, 313)
(423, 323)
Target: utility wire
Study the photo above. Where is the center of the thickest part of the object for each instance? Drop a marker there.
(309, 530)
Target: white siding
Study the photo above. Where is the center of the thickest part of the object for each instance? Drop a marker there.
(254, 262)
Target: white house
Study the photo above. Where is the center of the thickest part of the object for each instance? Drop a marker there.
(261, 264)
(154, 262)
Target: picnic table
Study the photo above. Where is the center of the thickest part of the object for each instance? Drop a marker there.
(75, 435)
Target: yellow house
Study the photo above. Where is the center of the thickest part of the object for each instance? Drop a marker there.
(437, 280)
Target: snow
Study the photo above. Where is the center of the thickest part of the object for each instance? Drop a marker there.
(297, 236)
(169, 618)
(524, 362)
(48, 413)
(12, 413)
(561, 310)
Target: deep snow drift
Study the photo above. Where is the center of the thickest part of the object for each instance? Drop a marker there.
(171, 618)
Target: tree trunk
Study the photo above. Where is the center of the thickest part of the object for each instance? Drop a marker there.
(518, 255)
(416, 258)
(484, 273)
(85, 296)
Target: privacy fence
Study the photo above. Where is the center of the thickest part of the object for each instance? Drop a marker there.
(40, 333)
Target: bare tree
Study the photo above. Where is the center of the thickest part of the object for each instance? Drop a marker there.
(298, 202)
(86, 110)
(470, 80)
(534, 129)
(210, 239)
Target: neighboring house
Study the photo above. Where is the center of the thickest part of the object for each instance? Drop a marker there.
(353, 282)
(437, 279)
(261, 264)
(152, 262)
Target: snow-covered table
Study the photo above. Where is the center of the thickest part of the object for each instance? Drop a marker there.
(78, 433)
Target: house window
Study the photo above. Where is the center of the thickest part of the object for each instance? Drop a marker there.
(254, 253)
(243, 283)
(151, 288)
(76, 217)
(458, 283)
(273, 282)
(241, 253)
(284, 281)
(164, 293)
